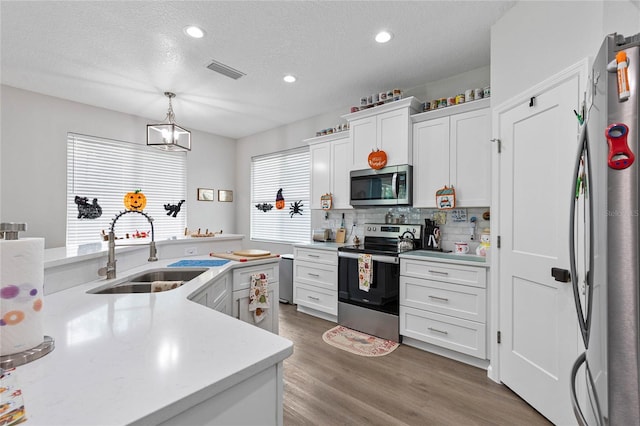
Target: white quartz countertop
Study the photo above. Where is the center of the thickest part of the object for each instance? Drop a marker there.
(460, 259)
(140, 358)
(329, 245)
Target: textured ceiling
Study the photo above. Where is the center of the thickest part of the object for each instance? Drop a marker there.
(122, 55)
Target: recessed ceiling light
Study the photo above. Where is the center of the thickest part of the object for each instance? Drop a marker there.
(289, 78)
(193, 31)
(383, 36)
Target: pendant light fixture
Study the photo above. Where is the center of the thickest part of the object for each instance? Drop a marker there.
(168, 136)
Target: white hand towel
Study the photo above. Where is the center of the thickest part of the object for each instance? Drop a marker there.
(259, 297)
(365, 273)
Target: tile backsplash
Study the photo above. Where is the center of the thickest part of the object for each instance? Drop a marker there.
(452, 231)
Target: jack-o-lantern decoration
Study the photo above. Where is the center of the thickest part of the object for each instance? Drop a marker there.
(377, 159)
(279, 200)
(135, 201)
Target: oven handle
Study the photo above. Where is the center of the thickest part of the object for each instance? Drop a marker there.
(374, 257)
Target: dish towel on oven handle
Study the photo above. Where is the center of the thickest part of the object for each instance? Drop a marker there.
(259, 296)
(365, 273)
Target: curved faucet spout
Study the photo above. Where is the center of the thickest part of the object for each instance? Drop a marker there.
(111, 258)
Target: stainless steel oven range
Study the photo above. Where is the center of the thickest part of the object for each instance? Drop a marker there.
(376, 311)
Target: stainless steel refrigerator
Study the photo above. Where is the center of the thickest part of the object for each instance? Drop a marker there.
(604, 248)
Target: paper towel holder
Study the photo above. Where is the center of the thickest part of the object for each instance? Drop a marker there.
(10, 230)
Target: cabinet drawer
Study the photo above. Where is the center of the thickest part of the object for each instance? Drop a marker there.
(328, 257)
(325, 276)
(456, 274)
(460, 335)
(460, 301)
(242, 276)
(315, 298)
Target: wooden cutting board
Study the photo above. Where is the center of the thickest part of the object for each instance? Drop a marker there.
(238, 258)
(251, 252)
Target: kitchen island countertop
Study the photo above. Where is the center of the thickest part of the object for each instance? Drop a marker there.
(140, 358)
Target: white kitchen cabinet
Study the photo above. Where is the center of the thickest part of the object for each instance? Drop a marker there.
(216, 295)
(386, 127)
(444, 305)
(315, 282)
(242, 312)
(453, 150)
(330, 162)
(240, 297)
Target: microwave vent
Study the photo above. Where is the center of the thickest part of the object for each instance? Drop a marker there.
(225, 70)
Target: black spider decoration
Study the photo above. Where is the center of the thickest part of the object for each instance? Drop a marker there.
(264, 207)
(296, 208)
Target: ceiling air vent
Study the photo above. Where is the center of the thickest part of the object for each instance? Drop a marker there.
(225, 70)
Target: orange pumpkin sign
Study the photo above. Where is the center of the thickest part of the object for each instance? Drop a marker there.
(135, 201)
(377, 159)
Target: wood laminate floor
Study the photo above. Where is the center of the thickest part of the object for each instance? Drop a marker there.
(324, 385)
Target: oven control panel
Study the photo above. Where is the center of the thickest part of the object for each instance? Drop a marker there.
(391, 230)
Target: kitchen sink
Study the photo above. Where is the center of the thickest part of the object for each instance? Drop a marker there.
(141, 283)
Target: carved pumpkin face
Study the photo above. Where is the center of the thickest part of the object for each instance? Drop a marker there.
(280, 204)
(135, 201)
(377, 159)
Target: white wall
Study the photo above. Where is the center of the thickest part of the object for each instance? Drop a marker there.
(33, 160)
(535, 40)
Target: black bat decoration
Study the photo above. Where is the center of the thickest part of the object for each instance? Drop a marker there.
(265, 207)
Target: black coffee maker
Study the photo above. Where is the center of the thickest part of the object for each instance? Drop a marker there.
(431, 236)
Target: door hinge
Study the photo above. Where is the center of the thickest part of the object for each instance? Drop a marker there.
(499, 142)
(499, 337)
(499, 241)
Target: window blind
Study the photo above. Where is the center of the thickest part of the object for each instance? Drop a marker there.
(289, 170)
(108, 169)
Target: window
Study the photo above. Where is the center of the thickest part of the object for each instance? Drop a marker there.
(289, 170)
(106, 170)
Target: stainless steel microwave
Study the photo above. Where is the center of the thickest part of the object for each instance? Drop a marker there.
(389, 186)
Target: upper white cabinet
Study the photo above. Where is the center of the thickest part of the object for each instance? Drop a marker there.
(330, 163)
(452, 147)
(386, 127)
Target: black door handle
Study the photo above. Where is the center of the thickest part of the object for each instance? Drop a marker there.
(561, 275)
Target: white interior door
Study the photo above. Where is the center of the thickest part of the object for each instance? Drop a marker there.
(537, 316)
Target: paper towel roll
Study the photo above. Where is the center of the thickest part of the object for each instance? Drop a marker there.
(21, 294)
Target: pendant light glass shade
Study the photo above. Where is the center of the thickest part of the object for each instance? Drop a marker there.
(169, 136)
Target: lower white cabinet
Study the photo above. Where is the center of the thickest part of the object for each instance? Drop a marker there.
(229, 294)
(240, 299)
(315, 282)
(216, 295)
(241, 311)
(444, 305)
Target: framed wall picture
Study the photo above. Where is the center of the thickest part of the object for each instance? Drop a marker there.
(225, 195)
(205, 194)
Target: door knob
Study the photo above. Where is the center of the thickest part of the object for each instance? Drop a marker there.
(561, 275)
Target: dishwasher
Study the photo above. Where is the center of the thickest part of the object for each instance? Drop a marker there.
(286, 278)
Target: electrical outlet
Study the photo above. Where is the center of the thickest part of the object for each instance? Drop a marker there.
(190, 251)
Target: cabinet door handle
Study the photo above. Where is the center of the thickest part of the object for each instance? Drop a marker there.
(433, 271)
(437, 331)
(313, 275)
(313, 255)
(444, 299)
(317, 299)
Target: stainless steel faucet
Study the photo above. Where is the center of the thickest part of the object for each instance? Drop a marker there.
(110, 269)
